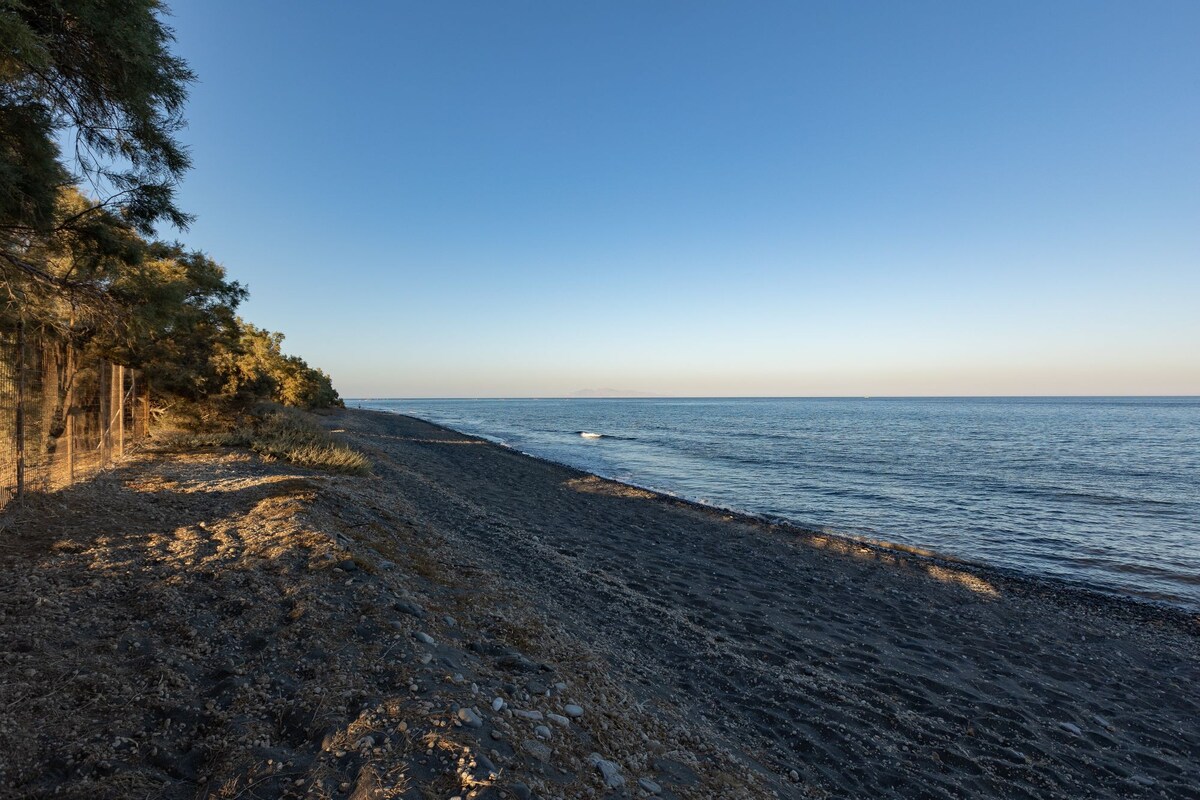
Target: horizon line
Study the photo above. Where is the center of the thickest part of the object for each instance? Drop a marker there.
(786, 397)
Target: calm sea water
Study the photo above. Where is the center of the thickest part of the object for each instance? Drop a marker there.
(1103, 491)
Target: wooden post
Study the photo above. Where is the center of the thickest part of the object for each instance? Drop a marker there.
(133, 404)
(105, 405)
(146, 411)
(121, 411)
(20, 420)
(68, 413)
(70, 445)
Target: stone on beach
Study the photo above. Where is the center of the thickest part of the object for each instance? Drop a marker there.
(611, 773)
(649, 786)
(470, 718)
(534, 715)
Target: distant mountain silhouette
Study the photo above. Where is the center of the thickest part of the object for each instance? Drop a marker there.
(610, 393)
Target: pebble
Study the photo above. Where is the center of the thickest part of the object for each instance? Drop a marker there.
(534, 715)
(470, 718)
(573, 710)
(794, 776)
(542, 732)
(1070, 727)
(558, 719)
(421, 636)
(450, 621)
(536, 749)
(497, 704)
(649, 786)
(409, 607)
(611, 773)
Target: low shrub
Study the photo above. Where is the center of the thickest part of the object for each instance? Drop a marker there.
(291, 436)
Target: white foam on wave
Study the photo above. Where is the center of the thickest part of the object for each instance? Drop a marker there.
(590, 435)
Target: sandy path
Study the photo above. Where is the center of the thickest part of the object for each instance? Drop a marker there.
(866, 674)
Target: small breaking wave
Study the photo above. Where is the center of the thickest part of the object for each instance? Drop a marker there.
(594, 435)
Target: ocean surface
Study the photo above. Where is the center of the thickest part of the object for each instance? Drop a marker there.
(1099, 491)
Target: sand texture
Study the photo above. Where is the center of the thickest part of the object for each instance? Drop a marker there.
(471, 622)
(867, 673)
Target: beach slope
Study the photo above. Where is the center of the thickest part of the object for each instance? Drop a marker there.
(469, 621)
(849, 670)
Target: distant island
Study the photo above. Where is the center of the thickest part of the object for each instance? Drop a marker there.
(610, 393)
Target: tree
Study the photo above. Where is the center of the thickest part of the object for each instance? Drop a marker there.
(98, 74)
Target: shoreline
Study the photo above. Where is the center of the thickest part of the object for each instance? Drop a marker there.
(1046, 585)
(833, 667)
(471, 621)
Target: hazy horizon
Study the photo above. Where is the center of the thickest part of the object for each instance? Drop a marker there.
(787, 397)
(782, 199)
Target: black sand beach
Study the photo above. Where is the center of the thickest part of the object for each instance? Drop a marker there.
(472, 622)
(866, 673)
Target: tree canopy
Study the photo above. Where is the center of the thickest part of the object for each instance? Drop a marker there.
(97, 75)
(97, 78)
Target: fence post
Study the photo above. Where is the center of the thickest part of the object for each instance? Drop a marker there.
(146, 412)
(70, 445)
(20, 420)
(133, 404)
(105, 373)
(120, 411)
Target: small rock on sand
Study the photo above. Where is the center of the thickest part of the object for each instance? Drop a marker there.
(409, 607)
(469, 718)
(649, 786)
(536, 749)
(542, 732)
(611, 773)
(421, 636)
(1071, 728)
(573, 710)
(497, 704)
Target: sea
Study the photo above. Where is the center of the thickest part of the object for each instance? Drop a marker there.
(1098, 491)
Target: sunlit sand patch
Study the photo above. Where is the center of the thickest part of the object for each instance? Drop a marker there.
(849, 547)
(972, 582)
(591, 484)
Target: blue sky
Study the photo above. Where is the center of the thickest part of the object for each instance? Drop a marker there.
(496, 199)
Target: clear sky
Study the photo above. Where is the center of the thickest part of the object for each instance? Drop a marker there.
(834, 198)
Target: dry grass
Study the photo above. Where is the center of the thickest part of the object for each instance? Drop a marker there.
(283, 433)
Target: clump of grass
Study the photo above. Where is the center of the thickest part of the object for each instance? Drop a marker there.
(290, 436)
(198, 440)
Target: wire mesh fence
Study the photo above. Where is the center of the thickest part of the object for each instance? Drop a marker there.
(63, 416)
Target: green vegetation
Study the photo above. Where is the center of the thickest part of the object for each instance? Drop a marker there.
(90, 95)
(293, 437)
(284, 433)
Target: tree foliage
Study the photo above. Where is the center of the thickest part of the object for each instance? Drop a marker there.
(99, 75)
(160, 307)
(98, 78)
